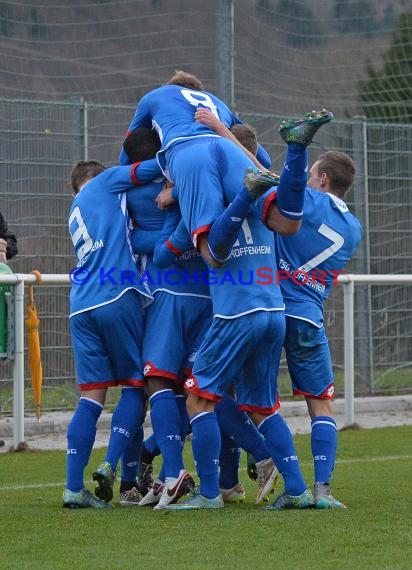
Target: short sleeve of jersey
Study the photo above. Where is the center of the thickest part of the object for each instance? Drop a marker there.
(118, 178)
(146, 171)
(121, 178)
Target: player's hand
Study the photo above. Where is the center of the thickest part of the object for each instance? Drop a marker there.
(165, 199)
(3, 251)
(206, 117)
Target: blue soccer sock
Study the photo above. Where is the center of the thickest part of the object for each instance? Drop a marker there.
(293, 181)
(162, 475)
(126, 420)
(166, 426)
(225, 229)
(229, 461)
(184, 417)
(279, 441)
(238, 426)
(324, 442)
(206, 452)
(81, 433)
(131, 457)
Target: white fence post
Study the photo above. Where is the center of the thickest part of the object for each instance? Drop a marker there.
(18, 367)
(18, 280)
(349, 352)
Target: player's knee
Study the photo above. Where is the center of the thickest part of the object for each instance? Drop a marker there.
(319, 407)
(156, 383)
(196, 405)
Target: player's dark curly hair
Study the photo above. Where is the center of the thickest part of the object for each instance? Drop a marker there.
(141, 144)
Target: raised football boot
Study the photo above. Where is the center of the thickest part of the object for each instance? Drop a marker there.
(303, 130)
(258, 182)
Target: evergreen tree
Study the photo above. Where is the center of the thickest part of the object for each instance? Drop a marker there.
(387, 93)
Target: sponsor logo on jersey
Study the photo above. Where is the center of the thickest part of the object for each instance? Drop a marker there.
(190, 383)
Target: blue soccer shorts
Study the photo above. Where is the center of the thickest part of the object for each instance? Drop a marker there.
(244, 351)
(107, 344)
(309, 360)
(196, 168)
(175, 328)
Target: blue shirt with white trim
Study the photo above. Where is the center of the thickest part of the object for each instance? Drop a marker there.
(99, 228)
(309, 261)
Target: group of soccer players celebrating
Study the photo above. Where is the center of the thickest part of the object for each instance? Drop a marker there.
(171, 300)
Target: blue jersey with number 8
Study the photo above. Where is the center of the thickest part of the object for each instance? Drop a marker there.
(99, 228)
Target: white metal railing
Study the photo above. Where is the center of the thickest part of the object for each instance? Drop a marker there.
(348, 282)
(18, 280)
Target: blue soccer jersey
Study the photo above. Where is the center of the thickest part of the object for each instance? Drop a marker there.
(185, 276)
(310, 261)
(99, 228)
(181, 313)
(247, 282)
(170, 111)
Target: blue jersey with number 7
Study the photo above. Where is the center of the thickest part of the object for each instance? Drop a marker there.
(310, 261)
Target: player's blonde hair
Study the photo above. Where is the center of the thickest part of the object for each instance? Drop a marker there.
(185, 79)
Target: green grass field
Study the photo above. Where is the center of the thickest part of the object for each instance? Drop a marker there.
(372, 477)
(64, 396)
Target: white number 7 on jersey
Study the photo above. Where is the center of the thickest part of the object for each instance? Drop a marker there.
(338, 242)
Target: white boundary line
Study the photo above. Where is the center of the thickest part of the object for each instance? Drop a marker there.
(304, 463)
